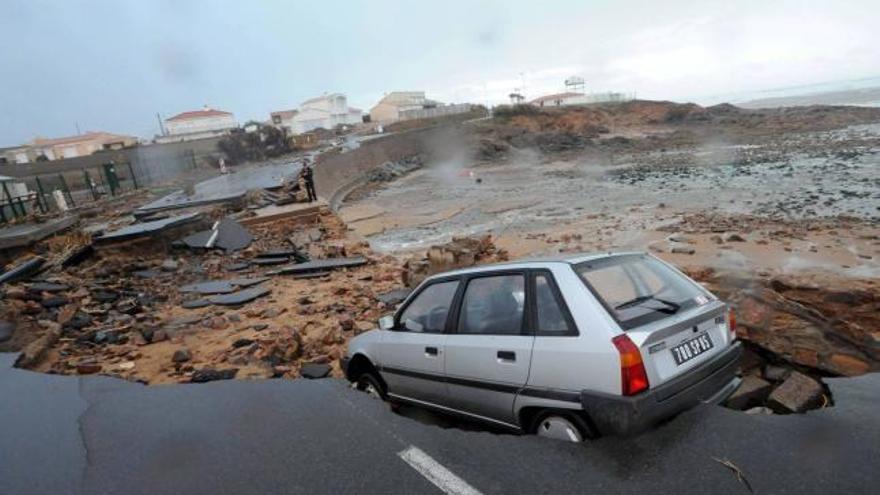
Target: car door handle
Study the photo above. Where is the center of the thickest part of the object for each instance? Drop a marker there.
(431, 351)
(507, 355)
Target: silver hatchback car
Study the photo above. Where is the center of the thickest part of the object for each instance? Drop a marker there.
(568, 348)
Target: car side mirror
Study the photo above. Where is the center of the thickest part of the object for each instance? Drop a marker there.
(386, 322)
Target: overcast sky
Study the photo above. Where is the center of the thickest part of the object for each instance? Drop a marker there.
(112, 65)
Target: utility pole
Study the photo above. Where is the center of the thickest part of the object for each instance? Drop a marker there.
(161, 127)
(78, 132)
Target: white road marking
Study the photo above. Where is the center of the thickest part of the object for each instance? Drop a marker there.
(441, 477)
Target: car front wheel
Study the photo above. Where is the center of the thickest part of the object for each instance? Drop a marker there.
(370, 384)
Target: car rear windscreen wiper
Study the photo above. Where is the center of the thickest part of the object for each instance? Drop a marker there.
(672, 306)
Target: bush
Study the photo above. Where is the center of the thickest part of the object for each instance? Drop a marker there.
(507, 112)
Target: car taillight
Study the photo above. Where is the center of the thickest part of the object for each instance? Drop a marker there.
(632, 369)
(731, 322)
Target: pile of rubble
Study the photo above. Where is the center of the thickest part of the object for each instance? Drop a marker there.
(458, 253)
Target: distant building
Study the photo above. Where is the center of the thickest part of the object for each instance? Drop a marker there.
(283, 119)
(325, 112)
(198, 124)
(408, 105)
(42, 149)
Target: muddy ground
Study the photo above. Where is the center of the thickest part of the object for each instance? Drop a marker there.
(776, 211)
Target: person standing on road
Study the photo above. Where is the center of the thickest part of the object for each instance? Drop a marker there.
(308, 175)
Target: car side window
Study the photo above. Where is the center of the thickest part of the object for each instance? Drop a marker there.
(428, 311)
(550, 317)
(493, 306)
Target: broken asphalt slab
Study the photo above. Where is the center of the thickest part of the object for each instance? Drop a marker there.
(147, 229)
(222, 286)
(226, 234)
(26, 234)
(223, 188)
(320, 265)
(67, 434)
(240, 297)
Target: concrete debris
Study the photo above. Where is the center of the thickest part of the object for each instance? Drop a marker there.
(22, 270)
(321, 265)
(181, 355)
(222, 286)
(240, 297)
(26, 234)
(47, 287)
(77, 255)
(315, 370)
(797, 394)
(227, 234)
(459, 253)
(6, 330)
(752, 391)
(206, 375)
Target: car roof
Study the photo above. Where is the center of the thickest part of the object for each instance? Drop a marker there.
(538, 262)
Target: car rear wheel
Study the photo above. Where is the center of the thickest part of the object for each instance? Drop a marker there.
(562, 426)
(370, 384)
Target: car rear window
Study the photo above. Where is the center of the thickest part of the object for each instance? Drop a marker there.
(639, 289)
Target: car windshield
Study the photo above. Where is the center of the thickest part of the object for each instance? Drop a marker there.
(639, 289)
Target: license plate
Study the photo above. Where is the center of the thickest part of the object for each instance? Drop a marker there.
(692, 348)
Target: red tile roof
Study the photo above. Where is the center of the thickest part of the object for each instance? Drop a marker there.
(102, 137)
(198, 114)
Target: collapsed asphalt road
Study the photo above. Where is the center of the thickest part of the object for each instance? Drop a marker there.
(63, 434)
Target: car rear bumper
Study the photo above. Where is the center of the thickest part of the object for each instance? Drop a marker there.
(712, 382)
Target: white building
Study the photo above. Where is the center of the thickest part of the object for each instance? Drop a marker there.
(326, 112)
(197, 124)
(283, 119)
(409, 105)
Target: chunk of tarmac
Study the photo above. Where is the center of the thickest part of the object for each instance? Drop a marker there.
(227, 234)
(320, 265)
(147, 229)
(315, 370)
(22, 270)
(240, 297)
(222, 286)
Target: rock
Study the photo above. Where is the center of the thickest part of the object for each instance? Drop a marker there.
(733, 237)
(6, 330)
(260, 326)
(752, 391)
(66, 314)
(346, 323)
(209, 375)
(242, 343)
(17, 293)
(88, 368)
(678, 237)
(158, 336)
(181, 355)
(775, 373)
(54, 301)
(716, 239)
(126, 365)
(797, 393)
(849, 365)
(169, 265)
(682, 249)
(315, 370)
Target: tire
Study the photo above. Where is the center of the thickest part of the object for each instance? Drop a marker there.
(564, 426)
(370, 383)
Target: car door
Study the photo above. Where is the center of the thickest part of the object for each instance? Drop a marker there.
(412, 353)
(489, 351)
